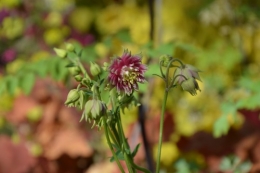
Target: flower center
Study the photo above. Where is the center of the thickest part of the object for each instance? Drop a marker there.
(129, 74)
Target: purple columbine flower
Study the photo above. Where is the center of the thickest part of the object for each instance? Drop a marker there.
(125, 72)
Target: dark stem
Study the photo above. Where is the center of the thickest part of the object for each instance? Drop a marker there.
(151, 14)
(148, 155)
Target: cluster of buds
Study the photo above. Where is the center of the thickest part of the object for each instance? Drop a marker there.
(84, 97)
(185, 75)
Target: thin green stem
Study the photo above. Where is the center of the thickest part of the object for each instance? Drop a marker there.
(176, 59)
(161, 131)
(140, 168)
(161, 69)
(128, 163)
(116, 134)
(112, 150)
(173, 80)
(114, 139)
(83, 70)
(125, 146)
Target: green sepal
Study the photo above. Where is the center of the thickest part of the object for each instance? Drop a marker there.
(135, 150)
(119, 155)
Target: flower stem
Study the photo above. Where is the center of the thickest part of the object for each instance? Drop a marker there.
(112, 150)
(114, 139)
(161, 131)
(128, 158)
(140, 168)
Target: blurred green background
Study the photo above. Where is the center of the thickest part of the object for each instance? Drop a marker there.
(216, 131)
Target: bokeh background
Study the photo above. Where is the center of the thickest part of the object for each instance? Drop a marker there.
(216, 131)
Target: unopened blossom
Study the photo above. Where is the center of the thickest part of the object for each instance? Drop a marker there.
(186, 72)
(190, 85)
(126, 72)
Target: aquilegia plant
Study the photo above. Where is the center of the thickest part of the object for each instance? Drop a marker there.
(119, 79)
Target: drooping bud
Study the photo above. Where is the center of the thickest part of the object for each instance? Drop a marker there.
(191, 86)
(70, 47)
(94, 109)
(94, 69)
(77, 98)
(72, 97)
(60, 52)
(181, 74)
(194, 72)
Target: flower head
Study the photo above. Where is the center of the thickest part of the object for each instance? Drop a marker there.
(125, 72)
(186, 72)
(190, 85)
(186, 77)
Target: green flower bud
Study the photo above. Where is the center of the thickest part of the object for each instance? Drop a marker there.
(77, 98)
(94, 109)
(72, 97)
(165, 59)
(70, 47)
(60, 52)
(182, 74)
(86, 81)
(78, 78)
(94, 69)
(191, 86)
(74, 70)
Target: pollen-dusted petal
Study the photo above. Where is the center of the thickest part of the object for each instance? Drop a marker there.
(126, 72)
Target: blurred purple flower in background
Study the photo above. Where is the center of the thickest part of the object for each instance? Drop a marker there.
(3, 14)
(8, 55)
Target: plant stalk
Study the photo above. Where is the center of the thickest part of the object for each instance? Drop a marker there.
(161, 131)
(112, 150)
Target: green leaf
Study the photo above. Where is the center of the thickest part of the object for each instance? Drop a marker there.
(152, 69)
(41, 68)
(2, 86)
(78, 47)
(26, 82)
(135, 150)
(124, 36)
(119, 155)
(187, 47)
(89, 54)
(228, 108)
(11, 84)
(182, 166)
(221, 126)
(116, 147)
(62, 70)
(225, 164)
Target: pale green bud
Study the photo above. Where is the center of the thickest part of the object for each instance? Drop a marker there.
(94, 109)
(74, 70)
(94, 69)
(72, 97)
(165, 59)
(60, 52)
(191, 86)
(78, 78)
(70, 47)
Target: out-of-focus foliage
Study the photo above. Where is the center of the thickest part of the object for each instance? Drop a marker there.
(220, 37)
